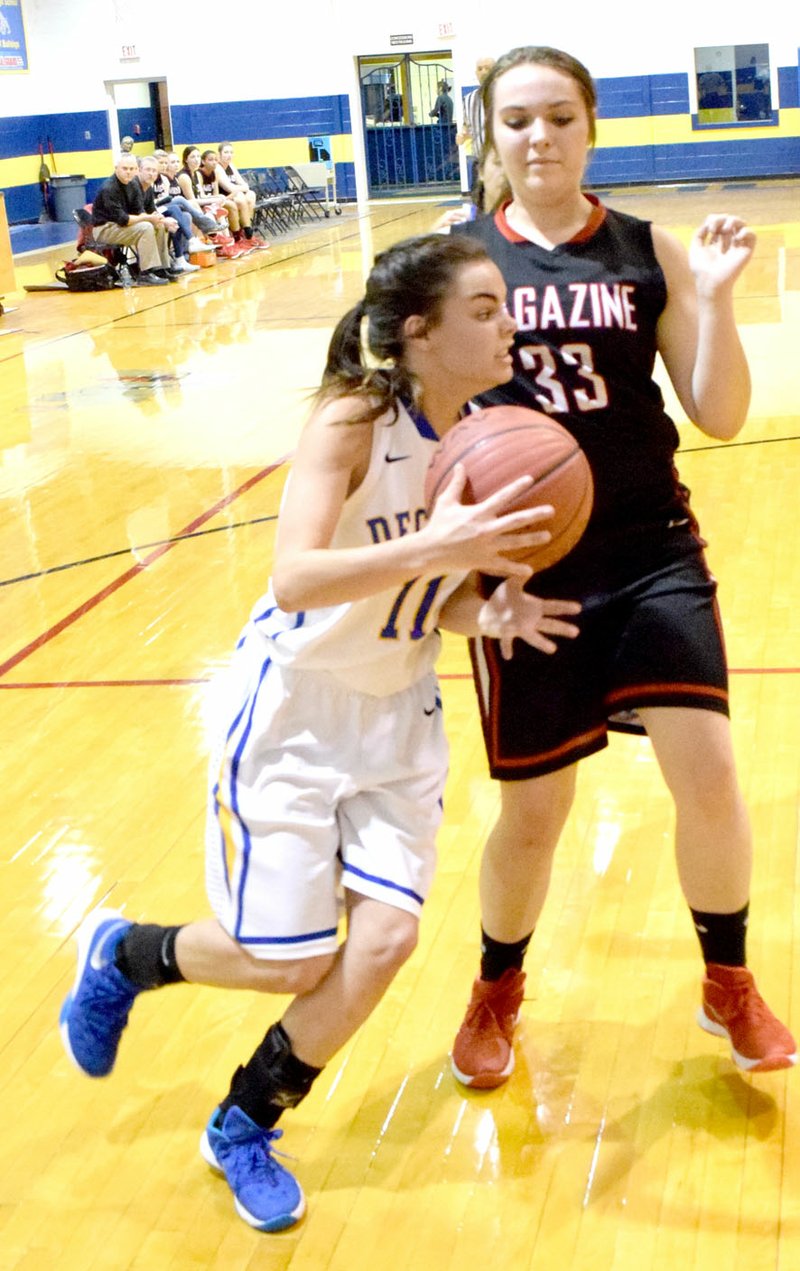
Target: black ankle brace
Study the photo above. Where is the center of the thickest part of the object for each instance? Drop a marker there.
(272, 1080)
(146, 955)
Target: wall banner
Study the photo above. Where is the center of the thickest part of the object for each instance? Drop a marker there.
(13, 51)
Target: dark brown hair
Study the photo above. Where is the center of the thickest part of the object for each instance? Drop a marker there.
(412, 277)
(539, 55)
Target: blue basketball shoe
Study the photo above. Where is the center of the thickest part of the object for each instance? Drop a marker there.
(265, 1194)
(96, 1011)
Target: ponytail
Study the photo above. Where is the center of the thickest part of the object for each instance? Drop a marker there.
(351, 369)
(344, 361)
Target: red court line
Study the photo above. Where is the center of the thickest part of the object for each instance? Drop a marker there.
(205, 679)
(201, 679)
(135, 570)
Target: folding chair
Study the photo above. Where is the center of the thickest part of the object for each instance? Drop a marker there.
(311, 200)
(273, 208)
(277, 181)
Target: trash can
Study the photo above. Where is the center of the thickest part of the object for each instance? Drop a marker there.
(69, 193)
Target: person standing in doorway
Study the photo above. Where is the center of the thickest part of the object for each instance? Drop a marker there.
(443, 106)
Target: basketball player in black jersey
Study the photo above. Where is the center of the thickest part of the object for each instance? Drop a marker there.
(596, 294)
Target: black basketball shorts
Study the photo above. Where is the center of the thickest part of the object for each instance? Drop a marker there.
(653, 642)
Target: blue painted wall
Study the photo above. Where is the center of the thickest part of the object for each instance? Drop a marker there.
(642, 98)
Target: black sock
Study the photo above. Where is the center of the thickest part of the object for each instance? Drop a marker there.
(272, 1080)
(497, 957)
(146, 955)
(722, 936)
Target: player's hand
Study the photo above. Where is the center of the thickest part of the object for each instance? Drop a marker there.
(455, 216)
(511, 613)
(719, 251)
(477, 536)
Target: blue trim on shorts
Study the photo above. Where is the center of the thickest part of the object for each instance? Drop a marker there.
(215, 793)
(382, 882)
(311, 935)
(235, 761)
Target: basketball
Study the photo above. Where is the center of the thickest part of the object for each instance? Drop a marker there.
(500, 443)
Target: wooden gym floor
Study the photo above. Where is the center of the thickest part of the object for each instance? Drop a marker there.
(145, 439)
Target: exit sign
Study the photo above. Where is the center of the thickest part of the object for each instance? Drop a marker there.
(446, 30)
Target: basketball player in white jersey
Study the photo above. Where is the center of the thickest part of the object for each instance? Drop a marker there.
(331, 762)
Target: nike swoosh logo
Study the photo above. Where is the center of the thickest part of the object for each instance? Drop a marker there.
(98, 959)
(396, 458)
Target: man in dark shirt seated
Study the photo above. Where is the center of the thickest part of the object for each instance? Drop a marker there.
(177, 222)
(119, 216)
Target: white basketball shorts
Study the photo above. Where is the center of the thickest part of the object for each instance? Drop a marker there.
(313, 788)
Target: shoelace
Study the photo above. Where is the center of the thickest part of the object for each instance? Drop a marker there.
(259, 1158)
(747, 1002)
(747, 1008)
(498, 1013)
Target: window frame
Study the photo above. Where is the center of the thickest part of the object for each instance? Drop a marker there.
(701, 125)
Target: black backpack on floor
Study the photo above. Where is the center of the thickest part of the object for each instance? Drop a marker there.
(88, 277)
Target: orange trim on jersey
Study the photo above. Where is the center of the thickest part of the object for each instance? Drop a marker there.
(596, 218)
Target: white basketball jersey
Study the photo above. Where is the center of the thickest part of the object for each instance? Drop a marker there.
(387, 641)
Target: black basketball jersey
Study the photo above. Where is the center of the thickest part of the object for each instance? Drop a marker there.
(584, 353)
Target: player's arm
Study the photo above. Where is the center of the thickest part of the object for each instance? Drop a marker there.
(697, 335)
(225, 184)
(509, 614)
(331, 460)
(237, 179)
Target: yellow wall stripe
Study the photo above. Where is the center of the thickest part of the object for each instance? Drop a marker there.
(655, 130)
(100, 163)
(671, 130)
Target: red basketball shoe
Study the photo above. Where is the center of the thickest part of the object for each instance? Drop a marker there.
(483, 1055)
(231, 251)
(733, 1007)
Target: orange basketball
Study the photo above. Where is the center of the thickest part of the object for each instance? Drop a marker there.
(500, 443)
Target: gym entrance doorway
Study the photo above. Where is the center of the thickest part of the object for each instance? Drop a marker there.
(409, 124)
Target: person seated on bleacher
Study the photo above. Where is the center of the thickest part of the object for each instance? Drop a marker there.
(171, 200)
(120, 218)
(232, 183)
(206, 192)
(177, 220)
(239, 210)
